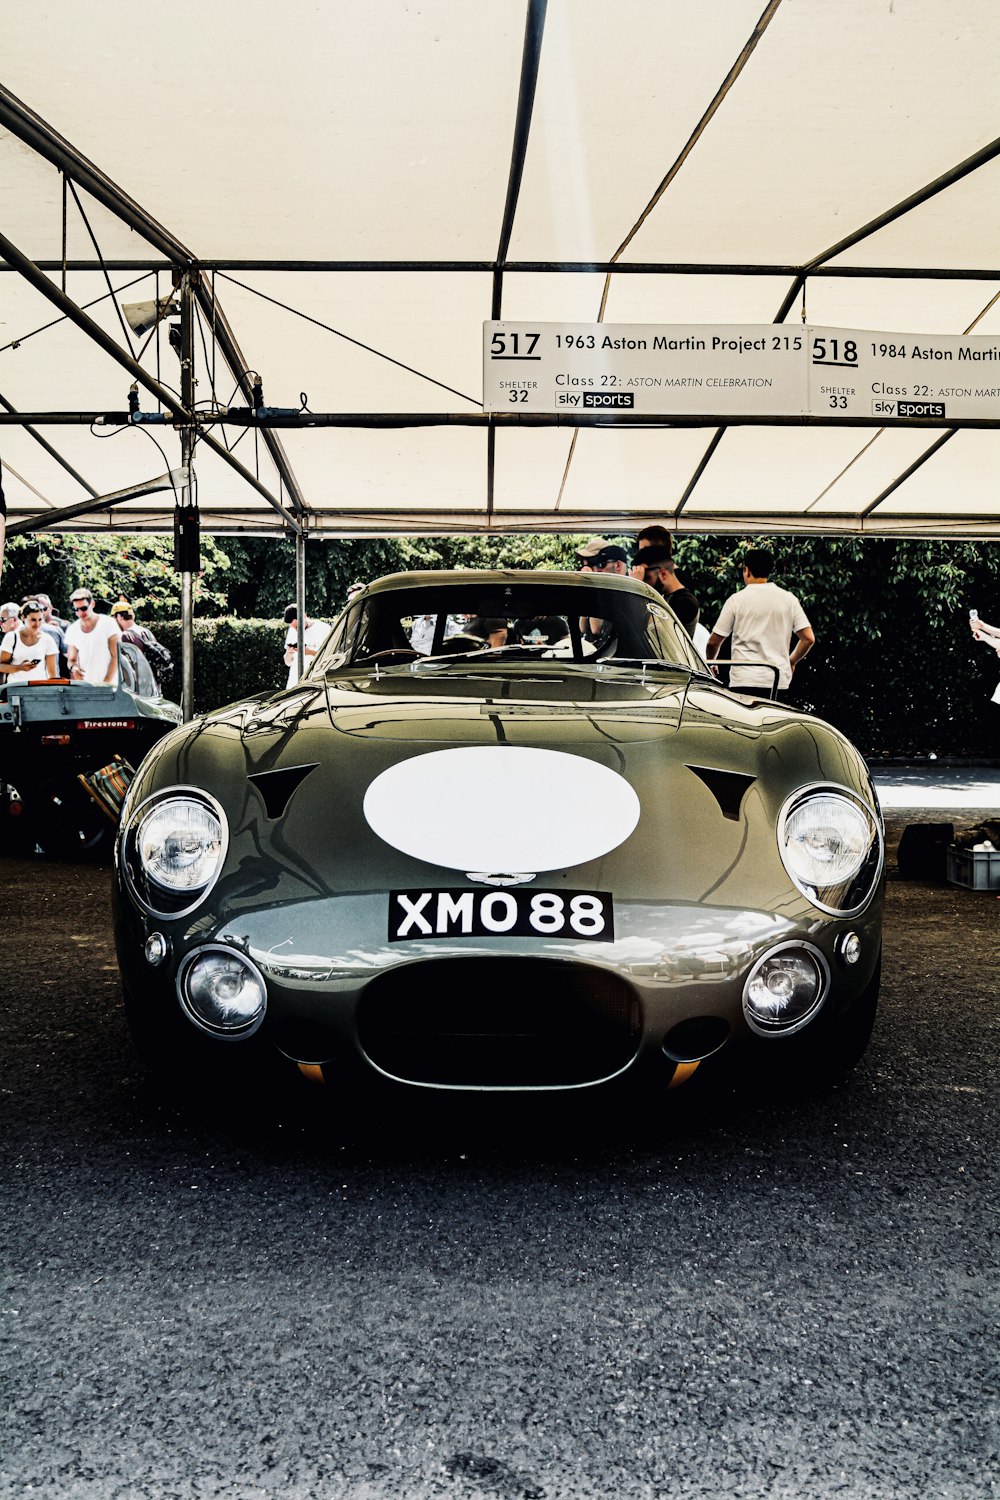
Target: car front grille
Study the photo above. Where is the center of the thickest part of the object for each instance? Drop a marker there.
(499, 1023)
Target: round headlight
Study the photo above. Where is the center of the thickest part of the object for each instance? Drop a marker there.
(785, 989)
(831, 847)
(826, 840)
(222, 992)
(179, 843)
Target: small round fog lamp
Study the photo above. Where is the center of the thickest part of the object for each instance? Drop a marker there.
(785, 989)
(849, 948)
(157, 948)
(222, 992)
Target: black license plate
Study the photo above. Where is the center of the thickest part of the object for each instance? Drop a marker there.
(423, 915)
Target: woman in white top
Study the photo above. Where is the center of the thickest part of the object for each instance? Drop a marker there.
(29, 654)
(313, 637)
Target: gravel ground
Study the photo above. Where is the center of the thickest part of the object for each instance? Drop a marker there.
(708, 1297)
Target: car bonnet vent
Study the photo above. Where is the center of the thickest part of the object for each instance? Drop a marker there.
(276, 787)
(727, 787)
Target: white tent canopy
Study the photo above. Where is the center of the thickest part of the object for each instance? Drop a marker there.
(339, 194)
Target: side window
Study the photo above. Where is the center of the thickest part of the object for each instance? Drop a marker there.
(135, 671)
(667, 637)
(375, 626)
(335, 646)
(126, 666)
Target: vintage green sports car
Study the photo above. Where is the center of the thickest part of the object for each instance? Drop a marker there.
(508, 833)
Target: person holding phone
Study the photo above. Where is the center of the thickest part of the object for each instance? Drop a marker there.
(29, 654)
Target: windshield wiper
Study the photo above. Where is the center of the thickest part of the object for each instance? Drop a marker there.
(422, 663)
(505, 654)
(651, 663)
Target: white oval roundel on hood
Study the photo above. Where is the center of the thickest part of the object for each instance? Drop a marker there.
(501, 808)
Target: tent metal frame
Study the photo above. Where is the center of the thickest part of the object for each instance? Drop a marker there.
(291, 507)
(534, 268)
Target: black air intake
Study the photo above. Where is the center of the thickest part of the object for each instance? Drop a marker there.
(499, 1023)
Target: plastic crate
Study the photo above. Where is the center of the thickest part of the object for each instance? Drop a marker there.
(977, 869)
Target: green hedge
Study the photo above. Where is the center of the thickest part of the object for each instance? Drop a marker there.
(233, 659)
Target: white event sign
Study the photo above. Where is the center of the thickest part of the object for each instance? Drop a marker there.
(763, 370)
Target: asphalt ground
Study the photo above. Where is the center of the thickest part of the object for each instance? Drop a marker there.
(731, 1295)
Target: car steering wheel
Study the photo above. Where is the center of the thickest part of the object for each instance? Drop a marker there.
(398, 653)
(460, 645)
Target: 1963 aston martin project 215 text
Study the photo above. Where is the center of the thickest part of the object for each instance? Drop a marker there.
(508, 833)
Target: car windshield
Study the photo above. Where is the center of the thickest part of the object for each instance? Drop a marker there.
(487, 619)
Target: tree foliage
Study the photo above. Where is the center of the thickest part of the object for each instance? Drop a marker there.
(262, 570)
(140, 567)
(894, 665)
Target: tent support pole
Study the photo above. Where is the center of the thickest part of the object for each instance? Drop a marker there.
(187, 646)
(300, 599)
(946, 180)
(187, 496)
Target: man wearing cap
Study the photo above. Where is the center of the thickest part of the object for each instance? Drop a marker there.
(159, 658)
(585, 555)
(313, 636)
(657, 570)
(91, 642)
(610, 559)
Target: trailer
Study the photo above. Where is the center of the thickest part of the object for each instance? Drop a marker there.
(51, 733)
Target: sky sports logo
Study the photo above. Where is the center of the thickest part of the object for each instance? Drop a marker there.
(608, 400)
(908, 409)
(597, 400)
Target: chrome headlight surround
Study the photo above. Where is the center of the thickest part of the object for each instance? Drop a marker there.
(149, 887)
(830, 843)
(222, 992)
(778, 964)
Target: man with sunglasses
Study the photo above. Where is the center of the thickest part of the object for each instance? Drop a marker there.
(10, 618)
(91, 642)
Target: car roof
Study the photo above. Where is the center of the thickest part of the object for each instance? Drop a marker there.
(437, 577)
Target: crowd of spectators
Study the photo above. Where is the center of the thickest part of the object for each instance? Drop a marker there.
(766, 626)
(37, 645)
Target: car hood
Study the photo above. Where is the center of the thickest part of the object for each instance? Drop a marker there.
(364, 783)
(467, 707)
(483, 707)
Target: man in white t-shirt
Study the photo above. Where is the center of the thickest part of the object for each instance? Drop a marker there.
(10, 620)
(313, 637)
(761, 621)
(91, 642)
